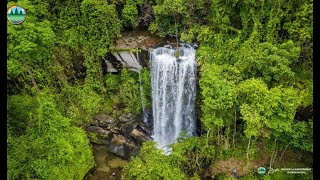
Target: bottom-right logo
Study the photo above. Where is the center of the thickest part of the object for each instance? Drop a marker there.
(261, 170)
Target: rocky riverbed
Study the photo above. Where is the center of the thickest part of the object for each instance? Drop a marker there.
(114, 141)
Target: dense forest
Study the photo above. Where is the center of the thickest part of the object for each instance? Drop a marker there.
(254, 92)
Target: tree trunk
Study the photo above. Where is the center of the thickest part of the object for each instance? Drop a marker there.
(101, 72)
(61, 75)
(33, 80)
(18, 88)
(273, 156)
(197, 161)
(284, 150)
(176, 27)
(208, 133)
(218, 136)
(234, 127)
(248, 148)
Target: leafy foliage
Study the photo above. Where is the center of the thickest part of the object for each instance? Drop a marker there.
(124, 90)
(190, 157)
(152, 164)
(29, 47)
(193, 155)
(172, 17)
(19, 112)
(255, 73)
(130, 14)
(50, 148)
(146, 87)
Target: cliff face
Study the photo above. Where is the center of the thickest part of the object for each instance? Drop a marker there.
(141, 39)
(131, 50)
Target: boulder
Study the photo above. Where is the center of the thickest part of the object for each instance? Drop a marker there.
(123, 147)
(118, 140)
(144, 127)
(139, 136)
(103, 120)
(122, 137)
(129, 116)
(117, 162)
(114, 130)
(126, 128)
(117, 149)
(124, 119)
(103, 168)
(98, 130)
(98, 135)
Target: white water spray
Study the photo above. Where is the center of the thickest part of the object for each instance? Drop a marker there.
(173, 79)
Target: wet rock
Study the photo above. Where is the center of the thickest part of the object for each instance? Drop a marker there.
(123, 146)
(103, 168)
(124, 119)
(129, 116)
(107, 164)
(98, 130)
(139, 136)
(117, 162)
(118, 140)
(137, 133)
(98, 135)
(118, 150)
(144, 128)
(147, 119)
(103, 120)
(114, 130)
(126, 128)
(100, 153)
(130, 144)
(122, 136)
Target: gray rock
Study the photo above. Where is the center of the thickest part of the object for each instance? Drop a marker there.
(123, 119)
(98, 135)
(114, 130)
(118, 140)
(103, 120)
(123, 136)
(98, 130)
(126, 128)
(142, 126)
(123, 147)
(117, 149)
(129, 116)
(139, 136)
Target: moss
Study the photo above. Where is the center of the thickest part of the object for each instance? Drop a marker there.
(133, 50)
(117, 162)
(104, 136)
(93, 137)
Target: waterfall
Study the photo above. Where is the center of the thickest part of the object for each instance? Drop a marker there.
(141, 93)
(173, 79)
(141, 96)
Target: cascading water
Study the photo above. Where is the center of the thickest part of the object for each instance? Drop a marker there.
(141, 93)
(173, 78)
